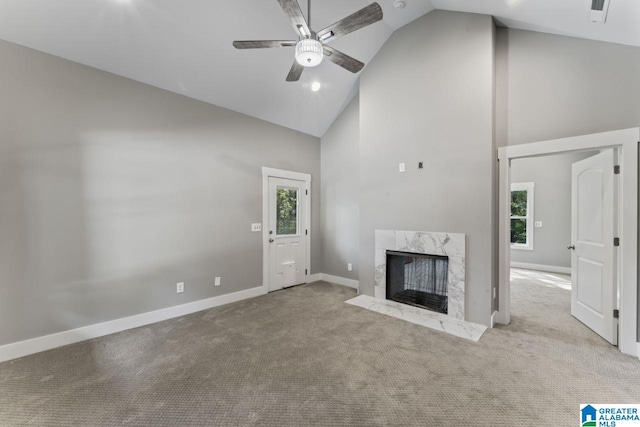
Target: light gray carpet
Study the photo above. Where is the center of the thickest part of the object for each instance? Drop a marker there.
(303, 357)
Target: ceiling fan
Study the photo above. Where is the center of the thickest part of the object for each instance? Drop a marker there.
(311, 47)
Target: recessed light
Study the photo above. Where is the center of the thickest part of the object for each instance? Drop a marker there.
(315, 86)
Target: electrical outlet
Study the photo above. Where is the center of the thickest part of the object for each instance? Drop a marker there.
(349, 267)
(537, 224)
(179, 288)
(217, 282)
(401, 167)
(256, 227)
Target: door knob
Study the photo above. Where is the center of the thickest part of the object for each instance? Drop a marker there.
(571, 247)
(270, 240)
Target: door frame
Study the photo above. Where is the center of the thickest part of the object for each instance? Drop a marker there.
(298, 176)
(626, 141)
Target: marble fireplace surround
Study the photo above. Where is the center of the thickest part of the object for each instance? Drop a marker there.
(451, 245)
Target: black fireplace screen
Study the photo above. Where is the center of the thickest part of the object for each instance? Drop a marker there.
(418, 279)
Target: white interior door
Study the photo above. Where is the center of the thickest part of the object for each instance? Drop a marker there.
(287, 232)
(593, 261)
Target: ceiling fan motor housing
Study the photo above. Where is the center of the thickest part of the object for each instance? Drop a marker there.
(309, 52)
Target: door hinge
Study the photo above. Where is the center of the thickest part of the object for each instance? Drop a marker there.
(616, 241)
(616, 170)
(306, 232)
(305, 272)
(616, 314)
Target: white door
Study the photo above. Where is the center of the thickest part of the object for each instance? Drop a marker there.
(593, 261)
(287, 232)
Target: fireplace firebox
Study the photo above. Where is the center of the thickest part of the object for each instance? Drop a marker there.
(418, 279)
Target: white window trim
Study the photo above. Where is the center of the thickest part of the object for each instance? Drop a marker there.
(528, 187)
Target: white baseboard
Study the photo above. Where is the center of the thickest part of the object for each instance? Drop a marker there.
(340, 280)
(333, 279)
(493, 318)
(314, 277)
(47, 342)
(540, 267)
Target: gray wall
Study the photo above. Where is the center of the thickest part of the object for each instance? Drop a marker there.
(428, 96)
(340, 204)
(557, 86)
(552, 206)
(112, 191)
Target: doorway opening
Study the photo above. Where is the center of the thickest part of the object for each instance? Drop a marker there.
(541, 235)
(623, 290)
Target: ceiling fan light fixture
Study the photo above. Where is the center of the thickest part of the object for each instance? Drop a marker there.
(309, 52)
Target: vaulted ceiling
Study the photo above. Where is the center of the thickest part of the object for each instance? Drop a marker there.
(185, 46)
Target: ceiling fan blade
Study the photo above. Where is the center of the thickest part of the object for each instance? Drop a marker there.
(295, 72)
(345, 61)
(292, 9)
(353, 22)
(257, 44)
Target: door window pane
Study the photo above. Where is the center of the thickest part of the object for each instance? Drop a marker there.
(286, 211)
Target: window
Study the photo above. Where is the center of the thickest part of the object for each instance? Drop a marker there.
(522, 215)
(286, 211)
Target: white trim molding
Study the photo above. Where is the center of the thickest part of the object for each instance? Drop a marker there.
(626, 142)
(493, 318)
(343, 281)
(48, 342)
(314, 277)
(281, 173)
(541, 267)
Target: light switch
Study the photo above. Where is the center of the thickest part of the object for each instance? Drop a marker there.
(401, 167)
(256, 227)
(538, 224)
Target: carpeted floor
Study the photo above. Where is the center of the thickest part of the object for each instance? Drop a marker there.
(303, 357)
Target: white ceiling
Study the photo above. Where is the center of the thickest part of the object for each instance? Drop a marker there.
(185, 46)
